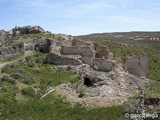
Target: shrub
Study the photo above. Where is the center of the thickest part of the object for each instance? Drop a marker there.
(28, 58)
(8, 80)
(30, 64)
(46, 82)
(81, 94)
(37, 70)
(28, 92)
(17, 75)
(28, 81)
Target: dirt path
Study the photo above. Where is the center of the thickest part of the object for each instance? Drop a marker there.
(2, 65)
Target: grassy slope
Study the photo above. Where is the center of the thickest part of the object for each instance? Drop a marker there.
(53, 107)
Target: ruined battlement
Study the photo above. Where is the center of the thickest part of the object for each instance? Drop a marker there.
(96, 56)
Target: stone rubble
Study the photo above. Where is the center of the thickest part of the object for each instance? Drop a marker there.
(104, 80)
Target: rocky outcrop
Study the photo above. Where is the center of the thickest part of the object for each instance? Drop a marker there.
(27, 30)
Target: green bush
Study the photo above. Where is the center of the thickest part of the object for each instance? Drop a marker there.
(28, 81)
(8, 79)
(28, 92)
(81, 94)
(30, 64)
(17, 75)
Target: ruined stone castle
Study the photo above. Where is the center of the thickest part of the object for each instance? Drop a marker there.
(77, 52)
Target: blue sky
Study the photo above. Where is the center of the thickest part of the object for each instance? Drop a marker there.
(77, 17)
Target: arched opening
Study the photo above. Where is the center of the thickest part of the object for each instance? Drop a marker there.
(87, 82)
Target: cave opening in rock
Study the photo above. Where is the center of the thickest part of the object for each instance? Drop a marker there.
(87, 82)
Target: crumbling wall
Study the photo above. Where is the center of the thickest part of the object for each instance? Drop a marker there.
(87, 60)
(101, 51)
(84, 51)
(44, 46)
(137, 65)
(92, 54)
(70, 50)
(77, 42)
(102, 65)
(62, 60)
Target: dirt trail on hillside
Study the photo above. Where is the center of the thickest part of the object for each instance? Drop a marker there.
(2, 65)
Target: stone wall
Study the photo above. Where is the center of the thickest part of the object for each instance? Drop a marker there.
(102, 65)
(84, 51)
(43, 46)
(137, 65)
(62, 60)
(101, 51)
(77, 42)
(64, 53)
(87, 60)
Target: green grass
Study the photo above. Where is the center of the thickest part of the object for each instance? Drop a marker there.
(52, 107)
(33, 71)
(41, 74)
(154, 89)
(18, 56)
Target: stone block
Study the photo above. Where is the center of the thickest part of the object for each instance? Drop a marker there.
(62, 60)
(102, 65)
(77, 42)
(136, 65)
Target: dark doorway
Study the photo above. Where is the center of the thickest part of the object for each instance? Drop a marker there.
(87, 82)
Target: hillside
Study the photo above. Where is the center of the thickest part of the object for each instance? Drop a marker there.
(94, 77)
(147, 39)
